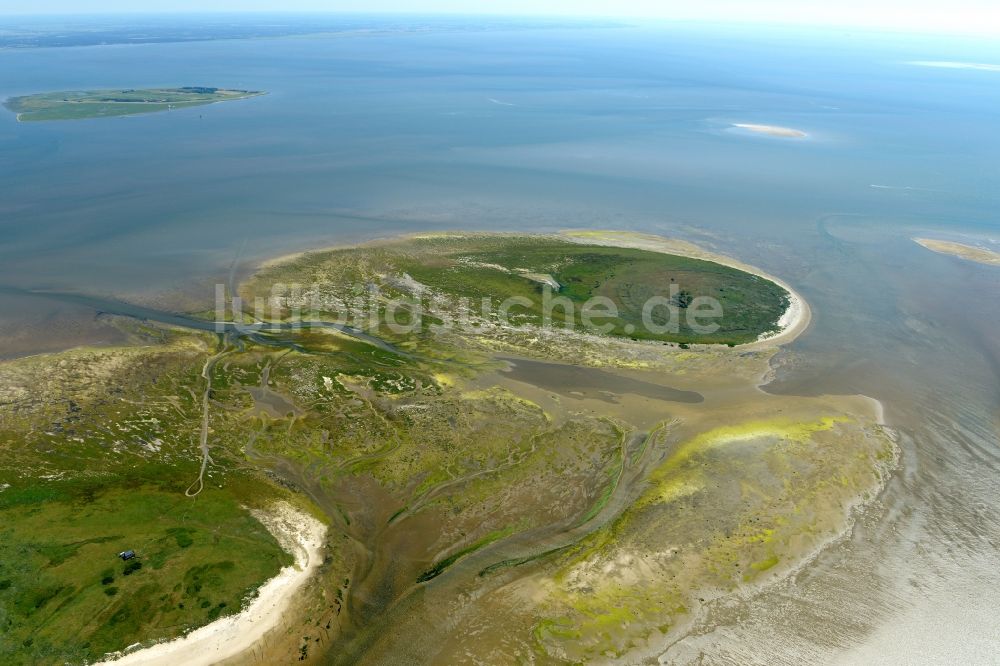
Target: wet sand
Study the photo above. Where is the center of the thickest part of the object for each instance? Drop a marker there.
(579, 382)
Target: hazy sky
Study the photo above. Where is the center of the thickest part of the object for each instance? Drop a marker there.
(973, 16)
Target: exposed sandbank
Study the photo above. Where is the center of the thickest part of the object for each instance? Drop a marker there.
(980, 255)
(772, 130)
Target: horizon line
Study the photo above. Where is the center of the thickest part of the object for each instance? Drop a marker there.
(653, 19)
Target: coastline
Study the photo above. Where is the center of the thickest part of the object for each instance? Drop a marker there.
(301, 535)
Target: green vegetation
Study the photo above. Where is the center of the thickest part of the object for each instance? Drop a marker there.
(67, 597)
(629, 277)
(74, 105)
(113, 433)
(520, 561)
(525, 271)
(439, 567)
(97, 450)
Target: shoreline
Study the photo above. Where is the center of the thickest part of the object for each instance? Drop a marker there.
(298, 533)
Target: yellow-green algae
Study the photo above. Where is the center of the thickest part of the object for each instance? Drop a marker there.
(727, 506)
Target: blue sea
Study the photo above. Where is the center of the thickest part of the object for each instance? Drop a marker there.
(368, 133)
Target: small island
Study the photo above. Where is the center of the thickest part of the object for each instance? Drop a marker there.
(77, 105)
(569, 271)
(980, 255)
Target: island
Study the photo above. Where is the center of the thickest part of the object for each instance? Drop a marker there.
(566, 272)
(75, 105)
(980, 255)
(437, 466)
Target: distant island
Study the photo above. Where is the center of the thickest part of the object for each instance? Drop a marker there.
(76, 105)
(980, 255)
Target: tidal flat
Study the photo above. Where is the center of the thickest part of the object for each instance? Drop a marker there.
(473, 481)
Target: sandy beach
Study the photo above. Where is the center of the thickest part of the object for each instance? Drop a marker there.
(298, 533)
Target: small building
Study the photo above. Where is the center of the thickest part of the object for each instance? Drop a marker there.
(126, 555)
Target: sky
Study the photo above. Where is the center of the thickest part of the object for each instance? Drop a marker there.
(949, 16)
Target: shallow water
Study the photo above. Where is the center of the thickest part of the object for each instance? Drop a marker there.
(363, 136)
(580, 382)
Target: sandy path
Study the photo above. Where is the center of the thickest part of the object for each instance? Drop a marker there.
(301, 535)
(792, 323)
(206, 373)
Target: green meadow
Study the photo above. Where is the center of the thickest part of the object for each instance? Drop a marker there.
(66, 596)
